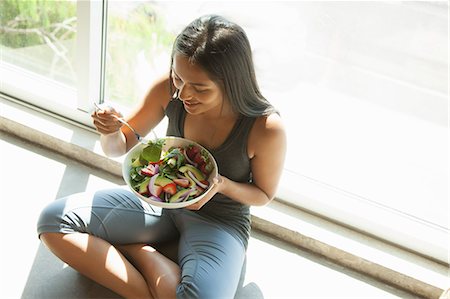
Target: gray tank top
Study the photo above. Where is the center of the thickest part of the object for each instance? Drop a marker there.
(233, 162)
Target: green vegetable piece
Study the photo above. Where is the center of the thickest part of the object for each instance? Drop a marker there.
(174, 158)
(135, 175)
(143, 185)
(198, 174)
(152, 152)
(180, 195)
(172, 162)
(162, 181)
(209, 167)
(136, 163)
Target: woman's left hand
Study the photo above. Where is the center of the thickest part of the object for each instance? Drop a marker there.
(215, 188)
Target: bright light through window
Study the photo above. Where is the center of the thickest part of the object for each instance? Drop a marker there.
(138, 47)
(39, 36)
(38, 41)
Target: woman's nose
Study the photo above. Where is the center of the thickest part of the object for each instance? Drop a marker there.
(184, 94)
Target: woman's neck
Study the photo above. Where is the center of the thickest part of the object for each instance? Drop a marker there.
(220, 112)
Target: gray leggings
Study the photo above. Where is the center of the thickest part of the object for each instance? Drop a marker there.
(210, 258)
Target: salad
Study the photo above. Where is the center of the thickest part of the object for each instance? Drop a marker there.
(179, 174)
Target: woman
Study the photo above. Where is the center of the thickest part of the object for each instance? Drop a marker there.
(210, 96)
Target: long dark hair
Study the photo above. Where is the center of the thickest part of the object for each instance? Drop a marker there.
(223, 50)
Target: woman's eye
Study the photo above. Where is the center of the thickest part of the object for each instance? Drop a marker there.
(178, 82)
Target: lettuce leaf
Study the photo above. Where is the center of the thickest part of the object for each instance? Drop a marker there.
(152, 152)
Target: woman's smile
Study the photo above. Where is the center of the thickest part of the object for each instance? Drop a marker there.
(190, 105)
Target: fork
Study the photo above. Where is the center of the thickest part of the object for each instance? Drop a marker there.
(121, 120)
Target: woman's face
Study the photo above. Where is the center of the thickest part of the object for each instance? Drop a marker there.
(197, 91)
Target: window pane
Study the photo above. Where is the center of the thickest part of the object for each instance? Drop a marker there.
(138, 47)
(365, 99)
(39, 36)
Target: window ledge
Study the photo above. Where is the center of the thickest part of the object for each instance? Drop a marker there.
(341, 245)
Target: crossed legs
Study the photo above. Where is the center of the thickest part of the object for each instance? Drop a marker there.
(85, 230)
(105, 238)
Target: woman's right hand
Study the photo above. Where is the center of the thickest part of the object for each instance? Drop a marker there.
(105, 120)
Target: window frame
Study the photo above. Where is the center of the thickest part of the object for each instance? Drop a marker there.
(90, 44)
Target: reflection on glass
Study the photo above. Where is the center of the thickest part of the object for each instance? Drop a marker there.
(40, 36)
(138, 49)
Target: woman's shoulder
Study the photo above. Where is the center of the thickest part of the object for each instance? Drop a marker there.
(268, 124)
(160, 91)
(267, 130)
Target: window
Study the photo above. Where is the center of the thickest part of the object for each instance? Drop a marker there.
(362, 88)
(138, 50)
(370, 89)
(51, 54)
(40, 37)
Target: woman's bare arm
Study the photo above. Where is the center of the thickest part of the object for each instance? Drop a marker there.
(149, 113)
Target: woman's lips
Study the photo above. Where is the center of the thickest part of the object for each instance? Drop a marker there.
(190, 104)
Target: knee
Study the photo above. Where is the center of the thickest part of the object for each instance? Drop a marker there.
(51, 218)
(46, 218)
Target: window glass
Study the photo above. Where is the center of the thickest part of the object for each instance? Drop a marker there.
(365, 99)
(39, 37)
(138, 47)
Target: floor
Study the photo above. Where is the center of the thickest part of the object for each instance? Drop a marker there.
(31, 177)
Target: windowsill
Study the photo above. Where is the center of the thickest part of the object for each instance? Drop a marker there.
(341, 245)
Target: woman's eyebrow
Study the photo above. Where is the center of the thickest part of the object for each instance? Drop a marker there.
(192, 83)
